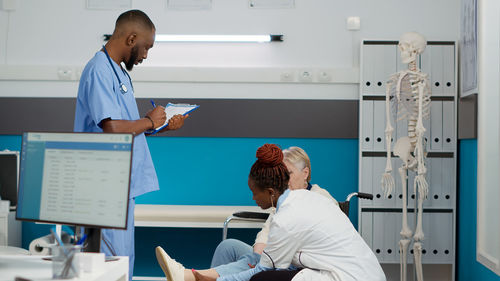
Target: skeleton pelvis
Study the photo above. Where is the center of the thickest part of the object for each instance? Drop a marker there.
(403, 149)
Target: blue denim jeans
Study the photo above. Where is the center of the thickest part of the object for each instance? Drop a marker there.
(233, 256)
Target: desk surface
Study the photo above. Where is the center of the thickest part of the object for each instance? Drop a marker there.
(36, 269)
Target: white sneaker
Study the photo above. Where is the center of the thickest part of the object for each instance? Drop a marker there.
(173, 270)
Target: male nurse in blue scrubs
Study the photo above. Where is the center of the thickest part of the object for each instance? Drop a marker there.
(106, 103)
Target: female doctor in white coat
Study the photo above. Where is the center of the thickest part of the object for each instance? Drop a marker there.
(310, 238)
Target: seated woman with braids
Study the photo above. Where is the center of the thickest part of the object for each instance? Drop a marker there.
(309, 237)
(231, 255)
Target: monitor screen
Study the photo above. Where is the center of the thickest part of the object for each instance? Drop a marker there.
(75, 178)
(9, 169)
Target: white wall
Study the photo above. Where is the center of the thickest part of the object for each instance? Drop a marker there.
(64, 34)
(488, 140)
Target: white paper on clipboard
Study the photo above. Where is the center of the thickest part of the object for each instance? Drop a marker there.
(172, 109)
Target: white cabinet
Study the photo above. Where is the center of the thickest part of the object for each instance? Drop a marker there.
(381, 62)
(438, 61)
(366, 135)
(380, 229)
(4, 228)
(10, 230)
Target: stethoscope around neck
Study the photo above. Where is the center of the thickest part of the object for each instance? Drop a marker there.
(123, 88)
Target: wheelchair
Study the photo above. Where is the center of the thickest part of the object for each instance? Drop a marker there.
(262, 217)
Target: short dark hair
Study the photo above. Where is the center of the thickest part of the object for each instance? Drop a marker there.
(269, 169)
(135, 16)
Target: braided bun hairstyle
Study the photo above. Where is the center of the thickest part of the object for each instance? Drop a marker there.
(269, 169)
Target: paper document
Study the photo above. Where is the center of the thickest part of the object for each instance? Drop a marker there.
(172, 109)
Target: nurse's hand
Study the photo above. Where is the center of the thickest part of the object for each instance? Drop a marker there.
(176, 122)
(158, 116)
(199, 277)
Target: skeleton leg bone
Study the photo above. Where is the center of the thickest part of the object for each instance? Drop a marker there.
(405, 229)
(403, 254)
(417, 253)
(419, 233)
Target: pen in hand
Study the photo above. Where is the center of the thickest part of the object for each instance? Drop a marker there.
(153, 103)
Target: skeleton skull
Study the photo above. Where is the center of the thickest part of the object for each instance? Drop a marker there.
(411, 44)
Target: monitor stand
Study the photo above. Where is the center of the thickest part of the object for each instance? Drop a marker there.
(93, 241)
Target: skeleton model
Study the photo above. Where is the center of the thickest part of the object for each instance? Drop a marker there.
(409, 93)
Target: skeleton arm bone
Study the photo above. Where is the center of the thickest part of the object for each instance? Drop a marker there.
(420, 129)
(387, 179)
(420, 180)
(402, 75)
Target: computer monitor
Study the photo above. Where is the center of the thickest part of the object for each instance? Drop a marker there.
(77, 179)
(9, 175)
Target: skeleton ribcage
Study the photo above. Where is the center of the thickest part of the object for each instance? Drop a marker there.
(407, 106)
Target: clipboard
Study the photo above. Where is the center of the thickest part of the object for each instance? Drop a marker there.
(172, 109)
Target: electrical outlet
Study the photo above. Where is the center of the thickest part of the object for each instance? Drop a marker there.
(324, 76)
(287, 76)
(353, 23)
(306, 75)
(64, 73)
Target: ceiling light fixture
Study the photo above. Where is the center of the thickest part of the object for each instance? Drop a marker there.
(214, 38)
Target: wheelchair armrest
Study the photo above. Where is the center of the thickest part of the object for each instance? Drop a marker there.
(365, 195)
(251, 215)
(245, 216)
(360, 195)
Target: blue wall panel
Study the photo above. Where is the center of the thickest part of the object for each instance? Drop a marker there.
(214, 171)
(10, 142)
(467, 266)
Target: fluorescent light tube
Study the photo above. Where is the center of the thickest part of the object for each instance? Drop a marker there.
(218, 38)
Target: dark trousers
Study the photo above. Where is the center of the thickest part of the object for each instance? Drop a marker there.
(275, 275)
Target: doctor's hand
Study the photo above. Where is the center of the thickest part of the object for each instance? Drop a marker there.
(176, 122)
(158, 116)
(199, 277)
(259, 248)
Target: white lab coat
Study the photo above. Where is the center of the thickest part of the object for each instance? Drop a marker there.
(264, 232)
(310, 231)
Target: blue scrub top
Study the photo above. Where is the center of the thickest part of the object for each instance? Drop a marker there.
(99, 98)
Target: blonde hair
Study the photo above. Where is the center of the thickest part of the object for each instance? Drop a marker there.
(299, 158)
